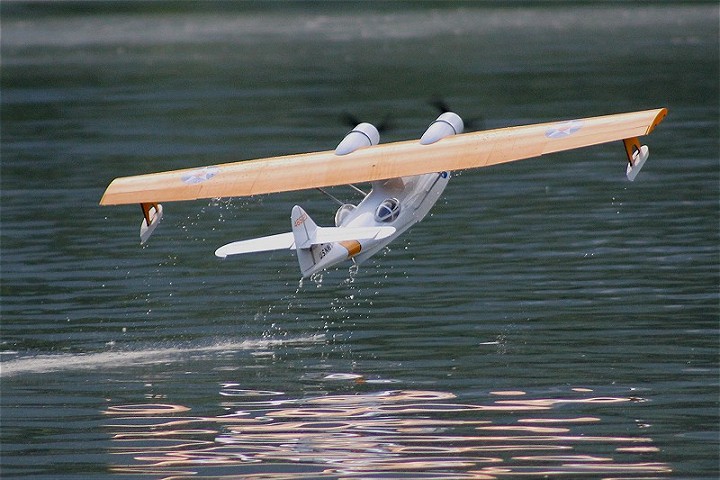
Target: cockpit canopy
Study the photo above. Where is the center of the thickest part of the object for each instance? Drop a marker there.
(388, 210)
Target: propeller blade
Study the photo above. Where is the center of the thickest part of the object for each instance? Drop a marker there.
(347, 118)
(474, 123)
(440, 104)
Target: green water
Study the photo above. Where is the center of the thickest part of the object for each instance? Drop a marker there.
(550, 319)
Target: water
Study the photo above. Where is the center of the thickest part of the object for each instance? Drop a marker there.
(549, 318)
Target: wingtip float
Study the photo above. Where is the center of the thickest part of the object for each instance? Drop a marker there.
(407, 179)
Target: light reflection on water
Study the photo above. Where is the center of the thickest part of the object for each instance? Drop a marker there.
(398, 433)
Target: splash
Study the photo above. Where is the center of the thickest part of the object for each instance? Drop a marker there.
(128, 358)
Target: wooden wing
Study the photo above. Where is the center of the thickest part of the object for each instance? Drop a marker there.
(324, 169)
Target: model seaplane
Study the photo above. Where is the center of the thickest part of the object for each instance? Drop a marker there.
(406, 178)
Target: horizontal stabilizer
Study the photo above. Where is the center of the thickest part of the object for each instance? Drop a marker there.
(344, 234)
(281, 241)
(286, 241)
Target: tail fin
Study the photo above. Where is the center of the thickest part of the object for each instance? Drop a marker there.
(303, 227)
(320, 247)
(304, 230)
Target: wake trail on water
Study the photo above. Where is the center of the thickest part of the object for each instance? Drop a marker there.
(147, 356)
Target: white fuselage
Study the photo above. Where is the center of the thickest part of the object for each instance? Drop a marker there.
(398, 202)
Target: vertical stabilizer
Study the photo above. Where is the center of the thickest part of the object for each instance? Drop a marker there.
(304, 230)
(303, 227)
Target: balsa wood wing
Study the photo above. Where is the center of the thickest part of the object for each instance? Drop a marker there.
(324, 169)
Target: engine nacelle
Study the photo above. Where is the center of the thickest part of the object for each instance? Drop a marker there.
(447, 124)
(363, 135)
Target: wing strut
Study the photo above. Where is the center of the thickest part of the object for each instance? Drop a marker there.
(330, 196)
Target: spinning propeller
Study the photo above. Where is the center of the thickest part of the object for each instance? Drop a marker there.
(475, 123)
(351, 121)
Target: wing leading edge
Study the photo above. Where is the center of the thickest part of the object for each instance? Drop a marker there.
(324, 169)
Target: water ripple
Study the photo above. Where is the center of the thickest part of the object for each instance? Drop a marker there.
(395, 433)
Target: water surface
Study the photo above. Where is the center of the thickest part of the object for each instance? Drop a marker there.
(549, 319)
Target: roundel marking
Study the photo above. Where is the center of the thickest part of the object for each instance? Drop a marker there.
(200, 175)
(565, 129)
